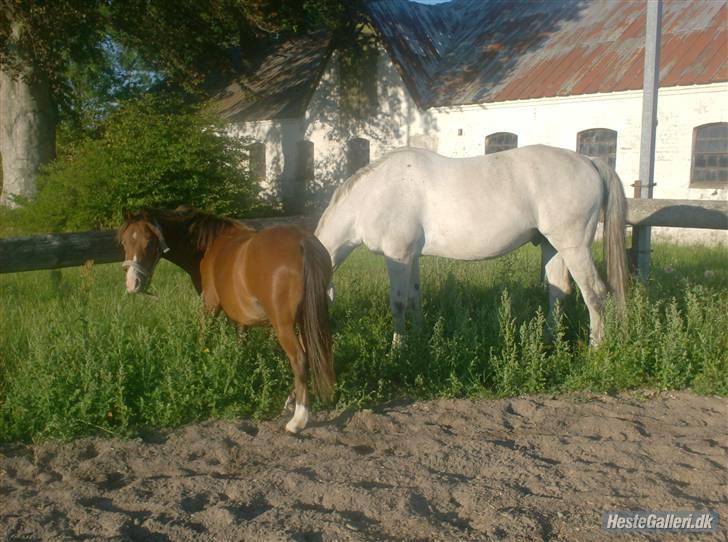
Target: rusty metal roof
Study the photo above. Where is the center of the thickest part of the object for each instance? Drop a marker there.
(480, 51)
(278, 84)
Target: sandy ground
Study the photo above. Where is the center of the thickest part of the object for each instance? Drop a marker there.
(537, 468)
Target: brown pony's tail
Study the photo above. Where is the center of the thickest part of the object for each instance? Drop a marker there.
(615, 216)
(314, 316)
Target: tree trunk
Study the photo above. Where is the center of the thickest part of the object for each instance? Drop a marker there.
(27, 129)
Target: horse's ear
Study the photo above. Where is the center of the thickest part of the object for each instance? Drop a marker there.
(126, 213)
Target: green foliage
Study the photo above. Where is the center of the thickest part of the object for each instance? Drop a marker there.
(185, 40)
(357, 59)
(155, 151)
(189, 40)
(79, 356)
(92, 90)
(47, 34)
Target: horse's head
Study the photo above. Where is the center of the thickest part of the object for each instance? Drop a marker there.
(143, 242)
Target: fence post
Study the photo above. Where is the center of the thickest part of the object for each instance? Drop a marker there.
(635, 237)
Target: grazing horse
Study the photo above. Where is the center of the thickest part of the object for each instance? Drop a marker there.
(414, 201)
(277, 275)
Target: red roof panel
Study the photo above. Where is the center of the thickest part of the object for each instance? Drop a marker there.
(496, 50)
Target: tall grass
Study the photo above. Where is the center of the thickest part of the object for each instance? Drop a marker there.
(79, 356)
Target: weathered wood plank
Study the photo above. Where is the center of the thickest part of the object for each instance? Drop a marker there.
(53, 251)
(678, 213)
(56, 250)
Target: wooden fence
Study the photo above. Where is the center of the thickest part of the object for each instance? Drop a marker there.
(53, 251)
(56, 250)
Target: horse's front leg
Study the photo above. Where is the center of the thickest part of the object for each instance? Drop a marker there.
(399, 279)
(210, 309)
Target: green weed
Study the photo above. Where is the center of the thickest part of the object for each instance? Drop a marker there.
(79, 356)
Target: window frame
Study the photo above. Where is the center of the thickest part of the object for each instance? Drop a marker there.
(609, 131)
(485, 143)
(703, 183)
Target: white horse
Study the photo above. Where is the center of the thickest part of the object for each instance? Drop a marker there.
(414, 201)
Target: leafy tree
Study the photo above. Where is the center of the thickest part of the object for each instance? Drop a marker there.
(51, 49)
(37, 40)
(188, 39)
(153, 151)
(94, 89)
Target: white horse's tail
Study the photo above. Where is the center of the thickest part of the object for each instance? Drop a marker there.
(615, 217)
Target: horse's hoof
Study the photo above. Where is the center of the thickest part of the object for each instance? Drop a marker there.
(299, 420)
(294, 428)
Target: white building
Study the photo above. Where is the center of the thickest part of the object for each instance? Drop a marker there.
(475, 76)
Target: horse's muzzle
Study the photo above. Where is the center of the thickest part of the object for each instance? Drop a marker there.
(137, 278)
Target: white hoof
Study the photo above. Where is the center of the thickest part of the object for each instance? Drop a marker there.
(293, 427)
(299, 420)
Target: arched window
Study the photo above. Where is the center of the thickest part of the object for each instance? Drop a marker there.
(600, 142)
(256, 161)
(710, 154)
(357, 154)
(500, 141)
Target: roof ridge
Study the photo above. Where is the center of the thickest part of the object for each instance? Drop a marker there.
(459, 24)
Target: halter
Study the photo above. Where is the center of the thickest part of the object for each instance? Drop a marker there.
(162, 242)
(136, 266)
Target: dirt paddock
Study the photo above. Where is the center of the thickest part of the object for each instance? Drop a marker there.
(535, 468)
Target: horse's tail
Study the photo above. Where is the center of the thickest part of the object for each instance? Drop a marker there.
(314, 316)
(615, 216)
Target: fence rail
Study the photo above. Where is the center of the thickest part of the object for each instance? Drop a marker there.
(678, 213)
(56, 250)
(53, 251)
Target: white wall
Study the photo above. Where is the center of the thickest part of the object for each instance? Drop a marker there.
(280, 138)
(551, 121)
(557, 121)
(330, 131)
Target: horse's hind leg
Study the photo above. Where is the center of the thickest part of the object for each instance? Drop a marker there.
(557, 278)
(299, 364)
(290, 404)
(399, 280)
(581, 265)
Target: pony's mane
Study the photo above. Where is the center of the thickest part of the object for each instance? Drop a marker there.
(201, 227)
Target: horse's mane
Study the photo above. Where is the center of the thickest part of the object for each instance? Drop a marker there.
(202, 228)
(349, 183)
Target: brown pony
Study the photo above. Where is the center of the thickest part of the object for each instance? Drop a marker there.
(277, 275)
